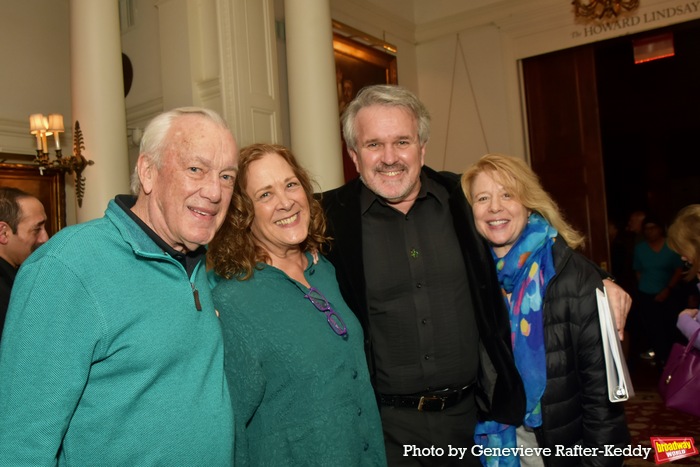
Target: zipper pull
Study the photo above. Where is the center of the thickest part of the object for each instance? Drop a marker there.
(195, 293)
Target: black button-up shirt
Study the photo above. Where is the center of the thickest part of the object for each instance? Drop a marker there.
(420, 308)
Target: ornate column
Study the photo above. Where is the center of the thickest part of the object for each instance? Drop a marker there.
(97, 91)
(313, 99)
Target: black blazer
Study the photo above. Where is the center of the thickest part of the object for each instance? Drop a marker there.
(500, 393)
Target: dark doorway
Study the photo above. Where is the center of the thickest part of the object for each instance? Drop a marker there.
(565, 142)
(608, 137)
(650, 124)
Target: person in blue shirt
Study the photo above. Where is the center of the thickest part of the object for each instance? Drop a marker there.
(658, 270)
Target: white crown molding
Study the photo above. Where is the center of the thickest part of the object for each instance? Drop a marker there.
(15, 137)
(209, 88)
(144, 111)
(12, 127)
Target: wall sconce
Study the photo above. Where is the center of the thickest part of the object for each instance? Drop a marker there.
(42, 127)
(599, 9)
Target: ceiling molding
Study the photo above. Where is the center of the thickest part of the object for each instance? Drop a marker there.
(144, 111)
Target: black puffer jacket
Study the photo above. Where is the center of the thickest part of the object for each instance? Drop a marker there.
(575, 405)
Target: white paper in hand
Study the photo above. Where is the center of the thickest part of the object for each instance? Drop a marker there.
(619, 382)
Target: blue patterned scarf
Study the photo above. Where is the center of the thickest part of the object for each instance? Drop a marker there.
(523, 273)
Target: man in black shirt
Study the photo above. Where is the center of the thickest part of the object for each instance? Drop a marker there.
(422, 282)
(22, 230)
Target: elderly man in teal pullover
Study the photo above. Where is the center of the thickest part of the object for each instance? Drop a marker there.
(112, 351)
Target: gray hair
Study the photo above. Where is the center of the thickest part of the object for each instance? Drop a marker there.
(154, 143)
(387, 95)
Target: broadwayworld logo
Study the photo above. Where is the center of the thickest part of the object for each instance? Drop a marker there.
(672, 449)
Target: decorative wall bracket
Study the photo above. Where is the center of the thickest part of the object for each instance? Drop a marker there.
(74, 163)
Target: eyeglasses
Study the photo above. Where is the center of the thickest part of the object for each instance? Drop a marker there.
(321, 303)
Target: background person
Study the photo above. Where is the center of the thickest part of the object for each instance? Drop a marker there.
(688, 322)
(684, 239)
(639, 346)
(550, 293)
(413, 269)
(22, 230)
(293, 350)
(112, 352)
(658, 270)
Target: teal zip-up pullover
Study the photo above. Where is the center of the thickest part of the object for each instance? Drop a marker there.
(105, 359)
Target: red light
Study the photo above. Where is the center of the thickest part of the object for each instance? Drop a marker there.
(653, 48)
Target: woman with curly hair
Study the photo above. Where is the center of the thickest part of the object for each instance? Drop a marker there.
(294, 354)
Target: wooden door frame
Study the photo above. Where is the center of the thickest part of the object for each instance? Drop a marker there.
(565, 146)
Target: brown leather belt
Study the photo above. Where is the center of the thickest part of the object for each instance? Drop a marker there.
(434, 401)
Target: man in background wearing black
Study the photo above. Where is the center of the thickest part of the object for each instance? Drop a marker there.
(22, 230)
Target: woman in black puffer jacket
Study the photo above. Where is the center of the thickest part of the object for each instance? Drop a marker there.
(550, 292)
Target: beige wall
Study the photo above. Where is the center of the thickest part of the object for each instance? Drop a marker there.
(35, 76)
(462, 58)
